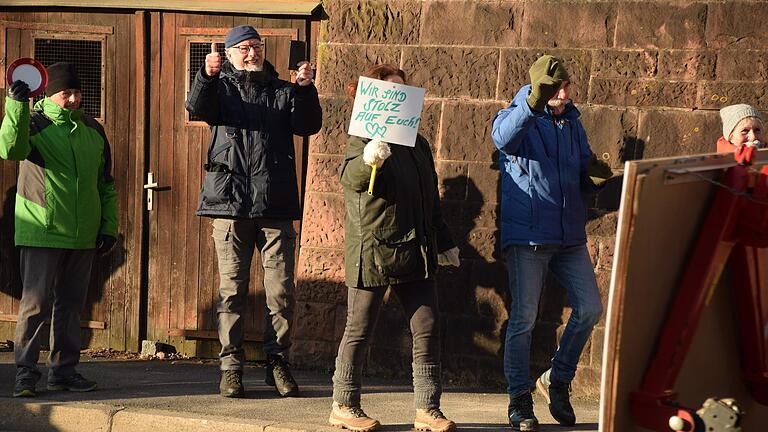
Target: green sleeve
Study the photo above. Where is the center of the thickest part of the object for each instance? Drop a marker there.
(355, 174)
(14, 132)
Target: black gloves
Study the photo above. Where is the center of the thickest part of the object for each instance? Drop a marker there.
(19, 91)
(547, 73)
(104, 244)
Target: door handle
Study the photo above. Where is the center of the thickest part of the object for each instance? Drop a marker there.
(150, 187)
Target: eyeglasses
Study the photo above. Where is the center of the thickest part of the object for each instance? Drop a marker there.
(245, 49)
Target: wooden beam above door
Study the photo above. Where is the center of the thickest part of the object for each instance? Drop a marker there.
(258, 7)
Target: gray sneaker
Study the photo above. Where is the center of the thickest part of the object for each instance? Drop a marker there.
(231, 384)
(25, 387)
(74, 382)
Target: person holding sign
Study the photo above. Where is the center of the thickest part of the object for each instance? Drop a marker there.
(395, 237)
(66, 215)
(251, 193)
(546, 166)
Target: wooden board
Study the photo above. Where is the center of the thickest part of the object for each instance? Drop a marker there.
(659, 220)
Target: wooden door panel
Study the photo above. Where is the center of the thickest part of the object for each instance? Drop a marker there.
(183, 275)
(110, 317)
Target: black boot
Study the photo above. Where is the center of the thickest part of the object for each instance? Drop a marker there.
(521, 416)
(558, 396)
(278, 374)
(231, 384)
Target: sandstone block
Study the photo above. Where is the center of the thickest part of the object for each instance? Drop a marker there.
(453, 72)
(728, 28)
(607, 246)
(316, 321)
(596, 353)
(332, 138)
(661, 25)
(371, 21)
(452, 211)
(732, 67)
(312, 354)
(611, 132)
(486, 215)
(687, 65)
(516, 62)
(456, 23)
(466, 131)
(715, 95)
(343, 64)
(679, 94)
(323, 220)
(321, 275)
(604, 226)
(451, 179)
(613, 63)
(543, 21)
(430, 122)
(483, 184)
(671, 133)
(486, 242)
(323, 173)
(489, 302)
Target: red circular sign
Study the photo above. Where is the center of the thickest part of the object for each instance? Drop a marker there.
(31, 72)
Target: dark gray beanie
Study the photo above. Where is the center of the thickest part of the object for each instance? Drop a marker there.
(61, 76)
(239, 34)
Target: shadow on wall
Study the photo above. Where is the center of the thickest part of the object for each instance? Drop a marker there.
(10, 279)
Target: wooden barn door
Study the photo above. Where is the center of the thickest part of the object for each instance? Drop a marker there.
(183, 277)
(103, 48)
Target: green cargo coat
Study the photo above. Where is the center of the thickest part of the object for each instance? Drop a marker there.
(65, 192)
(394, 235)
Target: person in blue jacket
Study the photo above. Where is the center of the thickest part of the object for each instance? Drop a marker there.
(545, 162)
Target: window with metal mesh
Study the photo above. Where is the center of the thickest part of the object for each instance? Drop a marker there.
(86, 56)
(197, 53)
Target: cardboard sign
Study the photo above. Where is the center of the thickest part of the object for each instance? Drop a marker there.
(388, 111)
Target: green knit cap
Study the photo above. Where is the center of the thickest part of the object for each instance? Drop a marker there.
(550, 66)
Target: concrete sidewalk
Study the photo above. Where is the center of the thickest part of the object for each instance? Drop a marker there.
(182, 395)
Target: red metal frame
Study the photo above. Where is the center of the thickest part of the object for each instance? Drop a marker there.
(735, 227)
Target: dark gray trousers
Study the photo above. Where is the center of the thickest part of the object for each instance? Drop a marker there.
(419, 300)
(236, 240)
(52, 280)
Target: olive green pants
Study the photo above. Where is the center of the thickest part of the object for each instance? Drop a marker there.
(236, 240)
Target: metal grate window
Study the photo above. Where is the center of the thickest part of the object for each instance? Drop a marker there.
(86, 55)
(197, 53)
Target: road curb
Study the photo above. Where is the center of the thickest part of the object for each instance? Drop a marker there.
(16, 415)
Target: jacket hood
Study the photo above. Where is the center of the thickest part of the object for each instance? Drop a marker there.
(570, 112)
(57, 114)
(227, 70)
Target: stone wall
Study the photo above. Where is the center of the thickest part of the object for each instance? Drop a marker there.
(648, 77)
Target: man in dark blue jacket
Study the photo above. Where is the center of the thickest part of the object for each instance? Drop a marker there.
(250, 190)
(545, 160)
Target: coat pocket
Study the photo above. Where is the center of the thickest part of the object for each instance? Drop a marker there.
(396, 252)
(217, 187)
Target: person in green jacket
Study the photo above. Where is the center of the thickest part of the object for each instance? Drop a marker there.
(65, 213)
(394, 237)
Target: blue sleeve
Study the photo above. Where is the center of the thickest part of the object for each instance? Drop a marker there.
(585, 156)
(510, 127)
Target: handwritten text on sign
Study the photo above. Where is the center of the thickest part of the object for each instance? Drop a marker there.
(387, 110)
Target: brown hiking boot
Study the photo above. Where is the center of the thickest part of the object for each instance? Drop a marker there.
(352, 418)
(432, 419)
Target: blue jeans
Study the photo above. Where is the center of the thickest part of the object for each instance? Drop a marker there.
(527, 267)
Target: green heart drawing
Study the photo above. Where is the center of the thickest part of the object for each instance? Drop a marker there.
(374, 129)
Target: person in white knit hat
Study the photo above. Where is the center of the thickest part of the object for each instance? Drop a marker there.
(742, 125)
